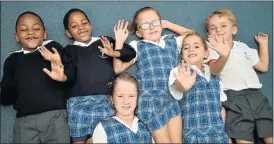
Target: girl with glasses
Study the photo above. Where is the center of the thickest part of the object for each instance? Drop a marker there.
(156, 56)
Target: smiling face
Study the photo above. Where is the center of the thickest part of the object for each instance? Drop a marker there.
(124, 98)
(30, 32)
(222, 26)
(79, 28)
(194, 50)
(153, 33)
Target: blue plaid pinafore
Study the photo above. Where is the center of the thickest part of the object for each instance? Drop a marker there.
(201, 112)
(119, 133)
(155, 104)
(85, 112)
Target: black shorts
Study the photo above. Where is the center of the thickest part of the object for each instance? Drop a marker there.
(246, 111)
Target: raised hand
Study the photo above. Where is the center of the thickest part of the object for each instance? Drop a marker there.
(184, 77)
(57, 71)
(48, 55)
(219, 44)
(121, 33)
(165, 24)
(261, 38)
(107, 46)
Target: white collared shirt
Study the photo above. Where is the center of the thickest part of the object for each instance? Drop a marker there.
(162, 44)
(100, 136)
(93, 39)
(238, 72)
(26, 52)
(179, 95)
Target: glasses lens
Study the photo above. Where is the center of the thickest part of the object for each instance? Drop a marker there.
(145, 26)
(156, 23)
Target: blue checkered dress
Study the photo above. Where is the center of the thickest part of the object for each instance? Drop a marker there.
(155, 104)
(85, 112)
(201, 112)
(119, 133)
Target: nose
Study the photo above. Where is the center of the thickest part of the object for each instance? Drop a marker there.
(30, 32)
(126, 100)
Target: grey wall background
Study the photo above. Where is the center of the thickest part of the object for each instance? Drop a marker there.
(252, 17)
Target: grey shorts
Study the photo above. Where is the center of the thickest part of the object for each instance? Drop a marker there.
(46, 127)
(248, 111)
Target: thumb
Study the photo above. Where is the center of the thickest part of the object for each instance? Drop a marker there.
(47, 71)
(194, 75)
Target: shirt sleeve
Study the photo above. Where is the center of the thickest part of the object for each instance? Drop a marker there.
(171, 85)
(133, 44)
(254, 56)
(8, 87)
(99, 134)
(223, 96)
(212, 53)
(179, 41)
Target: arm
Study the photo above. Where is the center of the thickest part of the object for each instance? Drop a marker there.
(223, 114)
(263, 64)
(8, 88)
(223, 48)
(182, 31)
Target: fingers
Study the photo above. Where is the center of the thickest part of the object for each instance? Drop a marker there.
(47, 71)
(212, 41)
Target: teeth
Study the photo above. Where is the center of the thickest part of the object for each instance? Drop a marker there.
(192, 55)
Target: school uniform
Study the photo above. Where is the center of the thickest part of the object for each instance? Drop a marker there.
(89, 71)
(114, 130)
(154, 61)
(39, 101)
(201, 108)
(247, 108)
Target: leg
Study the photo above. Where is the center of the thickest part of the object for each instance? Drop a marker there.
(161, 135)
(25, 130)
(242, 141)
(174, 126)
(268, 140)
(54, 127)
(89, 141)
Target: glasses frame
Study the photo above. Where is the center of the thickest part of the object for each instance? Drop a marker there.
(147, 25)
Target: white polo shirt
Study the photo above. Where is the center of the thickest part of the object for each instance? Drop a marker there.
(179, 95)
(238, 72)
(162, 44)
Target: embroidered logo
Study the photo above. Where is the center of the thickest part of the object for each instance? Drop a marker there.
(246, 56)
(103, 55)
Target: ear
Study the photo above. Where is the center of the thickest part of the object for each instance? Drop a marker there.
(138, 34)
(234, 30)
(45, 35)
(206, 54)
(68, 34)
(16, 37)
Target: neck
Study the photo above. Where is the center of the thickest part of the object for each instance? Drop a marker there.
(127, 119)
(30, 49)
(230, 42)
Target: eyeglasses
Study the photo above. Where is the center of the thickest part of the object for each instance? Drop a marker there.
(147, 25)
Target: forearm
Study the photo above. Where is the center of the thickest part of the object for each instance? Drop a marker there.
(120, 66)
(124, 52)
(180, 30)
(216, 66)
(223, 114)
(264, 58)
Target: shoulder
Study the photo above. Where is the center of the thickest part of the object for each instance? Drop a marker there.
(240, 44)
(12, 58)
(52, 44)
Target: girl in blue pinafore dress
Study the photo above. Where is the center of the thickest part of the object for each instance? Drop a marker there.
(156, 56)
(124, 127)
(200, 101)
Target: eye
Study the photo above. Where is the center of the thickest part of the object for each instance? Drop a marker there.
(74, 26)
(85, 22)
(132, 96)
(145, 26)
(23, 30)
(156, 23)
(223, 26)
(212, 28)
(185, 48)
(119, 96)
(36, 29)
(196, 47)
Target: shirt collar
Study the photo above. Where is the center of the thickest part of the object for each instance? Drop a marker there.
(161, 43)
(93, 39)
(207, 73)
(134, 126)
(26, 52)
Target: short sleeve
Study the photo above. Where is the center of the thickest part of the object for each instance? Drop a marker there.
(254, 56)
(99, 134)
(133, 44)
(212, 53)
(171, 85)
(223, 96)
(179, 41)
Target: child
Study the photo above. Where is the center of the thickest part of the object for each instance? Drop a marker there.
(124, 127)
(156, 56)
(40, 101)
(247, 108)
(88, 68)
(199, 94)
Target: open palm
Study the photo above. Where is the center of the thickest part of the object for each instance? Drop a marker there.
(49, 56)
(107, 46)
(184, 76)
(57, 71)
(219, 44)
